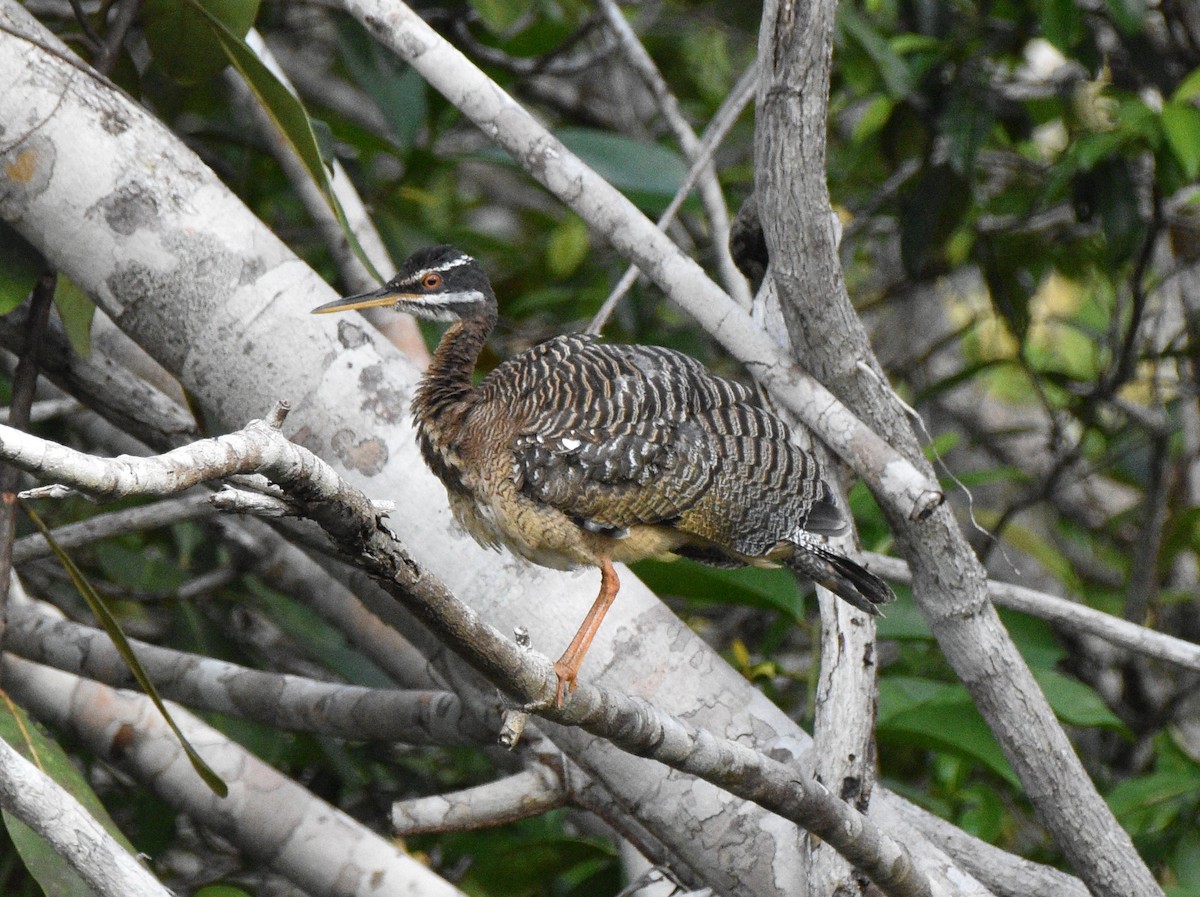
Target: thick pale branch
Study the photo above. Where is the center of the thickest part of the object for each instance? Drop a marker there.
(268, 816)
(274, 699)
(795, 46)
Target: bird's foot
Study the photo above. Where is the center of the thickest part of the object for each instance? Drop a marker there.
(567, 675)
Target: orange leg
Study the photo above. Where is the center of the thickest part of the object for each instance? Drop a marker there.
(567, 666)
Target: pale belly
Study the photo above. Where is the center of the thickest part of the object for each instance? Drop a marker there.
(548, 537)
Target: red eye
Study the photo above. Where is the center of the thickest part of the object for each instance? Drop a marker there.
(432, 281)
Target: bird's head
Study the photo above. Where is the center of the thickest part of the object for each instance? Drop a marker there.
(439, 283)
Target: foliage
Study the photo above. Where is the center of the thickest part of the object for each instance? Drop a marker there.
(1017, 177)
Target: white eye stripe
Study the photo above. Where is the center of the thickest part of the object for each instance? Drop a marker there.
(446, 266)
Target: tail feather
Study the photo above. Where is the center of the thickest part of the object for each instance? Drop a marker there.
(850, 581)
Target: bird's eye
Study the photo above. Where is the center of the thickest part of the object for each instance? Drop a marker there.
(431, 281)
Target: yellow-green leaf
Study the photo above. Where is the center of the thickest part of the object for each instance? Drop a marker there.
(77, 311)
(1181, 124)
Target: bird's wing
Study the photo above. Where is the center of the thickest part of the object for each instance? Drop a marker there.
(767, 491)
(613, 435)
(617, 435)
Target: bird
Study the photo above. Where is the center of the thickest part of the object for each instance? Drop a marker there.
(584, 453)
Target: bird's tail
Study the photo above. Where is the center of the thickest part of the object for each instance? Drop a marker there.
(851, 582)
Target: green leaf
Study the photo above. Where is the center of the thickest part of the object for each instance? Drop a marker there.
(500, 15)
(1154, 802)
(1062, 23)
(567, 247)
(1186, 861)
(20, 267)
(135, 565)
(398, 90)
(892, 68)
(966, 122)
(1034, 639)
(638, 166)
(874, 116)
(49, 869)
(1127, 15)
(1181, 124)
(938, 716)
(522, 868)
(903, 620)
(1074, 702)
(220, 891)
(931, 208)
(288, 116)
(1188, 89)
(113, 628)
(325, 644)
(181, 40)
(77, 311)
(44, 864)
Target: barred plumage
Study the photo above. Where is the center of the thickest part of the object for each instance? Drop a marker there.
(579, 452)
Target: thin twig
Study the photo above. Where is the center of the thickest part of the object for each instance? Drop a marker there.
(714, 134)
(91, 38)
(296, 703)
(530, 792)
(116, 523)
(693, 147)
(1068, 614)
(42, 411)
(110, 46)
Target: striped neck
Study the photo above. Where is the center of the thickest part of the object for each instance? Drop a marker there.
(446, 389)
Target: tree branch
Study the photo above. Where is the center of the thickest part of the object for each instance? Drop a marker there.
(274, 699)
(1068, 614)
(530, 792)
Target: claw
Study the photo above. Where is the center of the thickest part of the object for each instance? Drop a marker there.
(566, 682)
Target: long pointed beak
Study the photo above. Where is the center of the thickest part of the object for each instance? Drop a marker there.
(371, 299)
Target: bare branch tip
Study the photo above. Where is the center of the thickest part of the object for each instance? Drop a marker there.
(279, 414)
(927, 502)
(54, 490)
(512, 727)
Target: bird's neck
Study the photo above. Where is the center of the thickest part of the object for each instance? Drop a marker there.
(446, 388)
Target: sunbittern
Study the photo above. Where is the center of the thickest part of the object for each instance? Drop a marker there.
(582, 453)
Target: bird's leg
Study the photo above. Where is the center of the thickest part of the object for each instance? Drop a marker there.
(567, 666)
